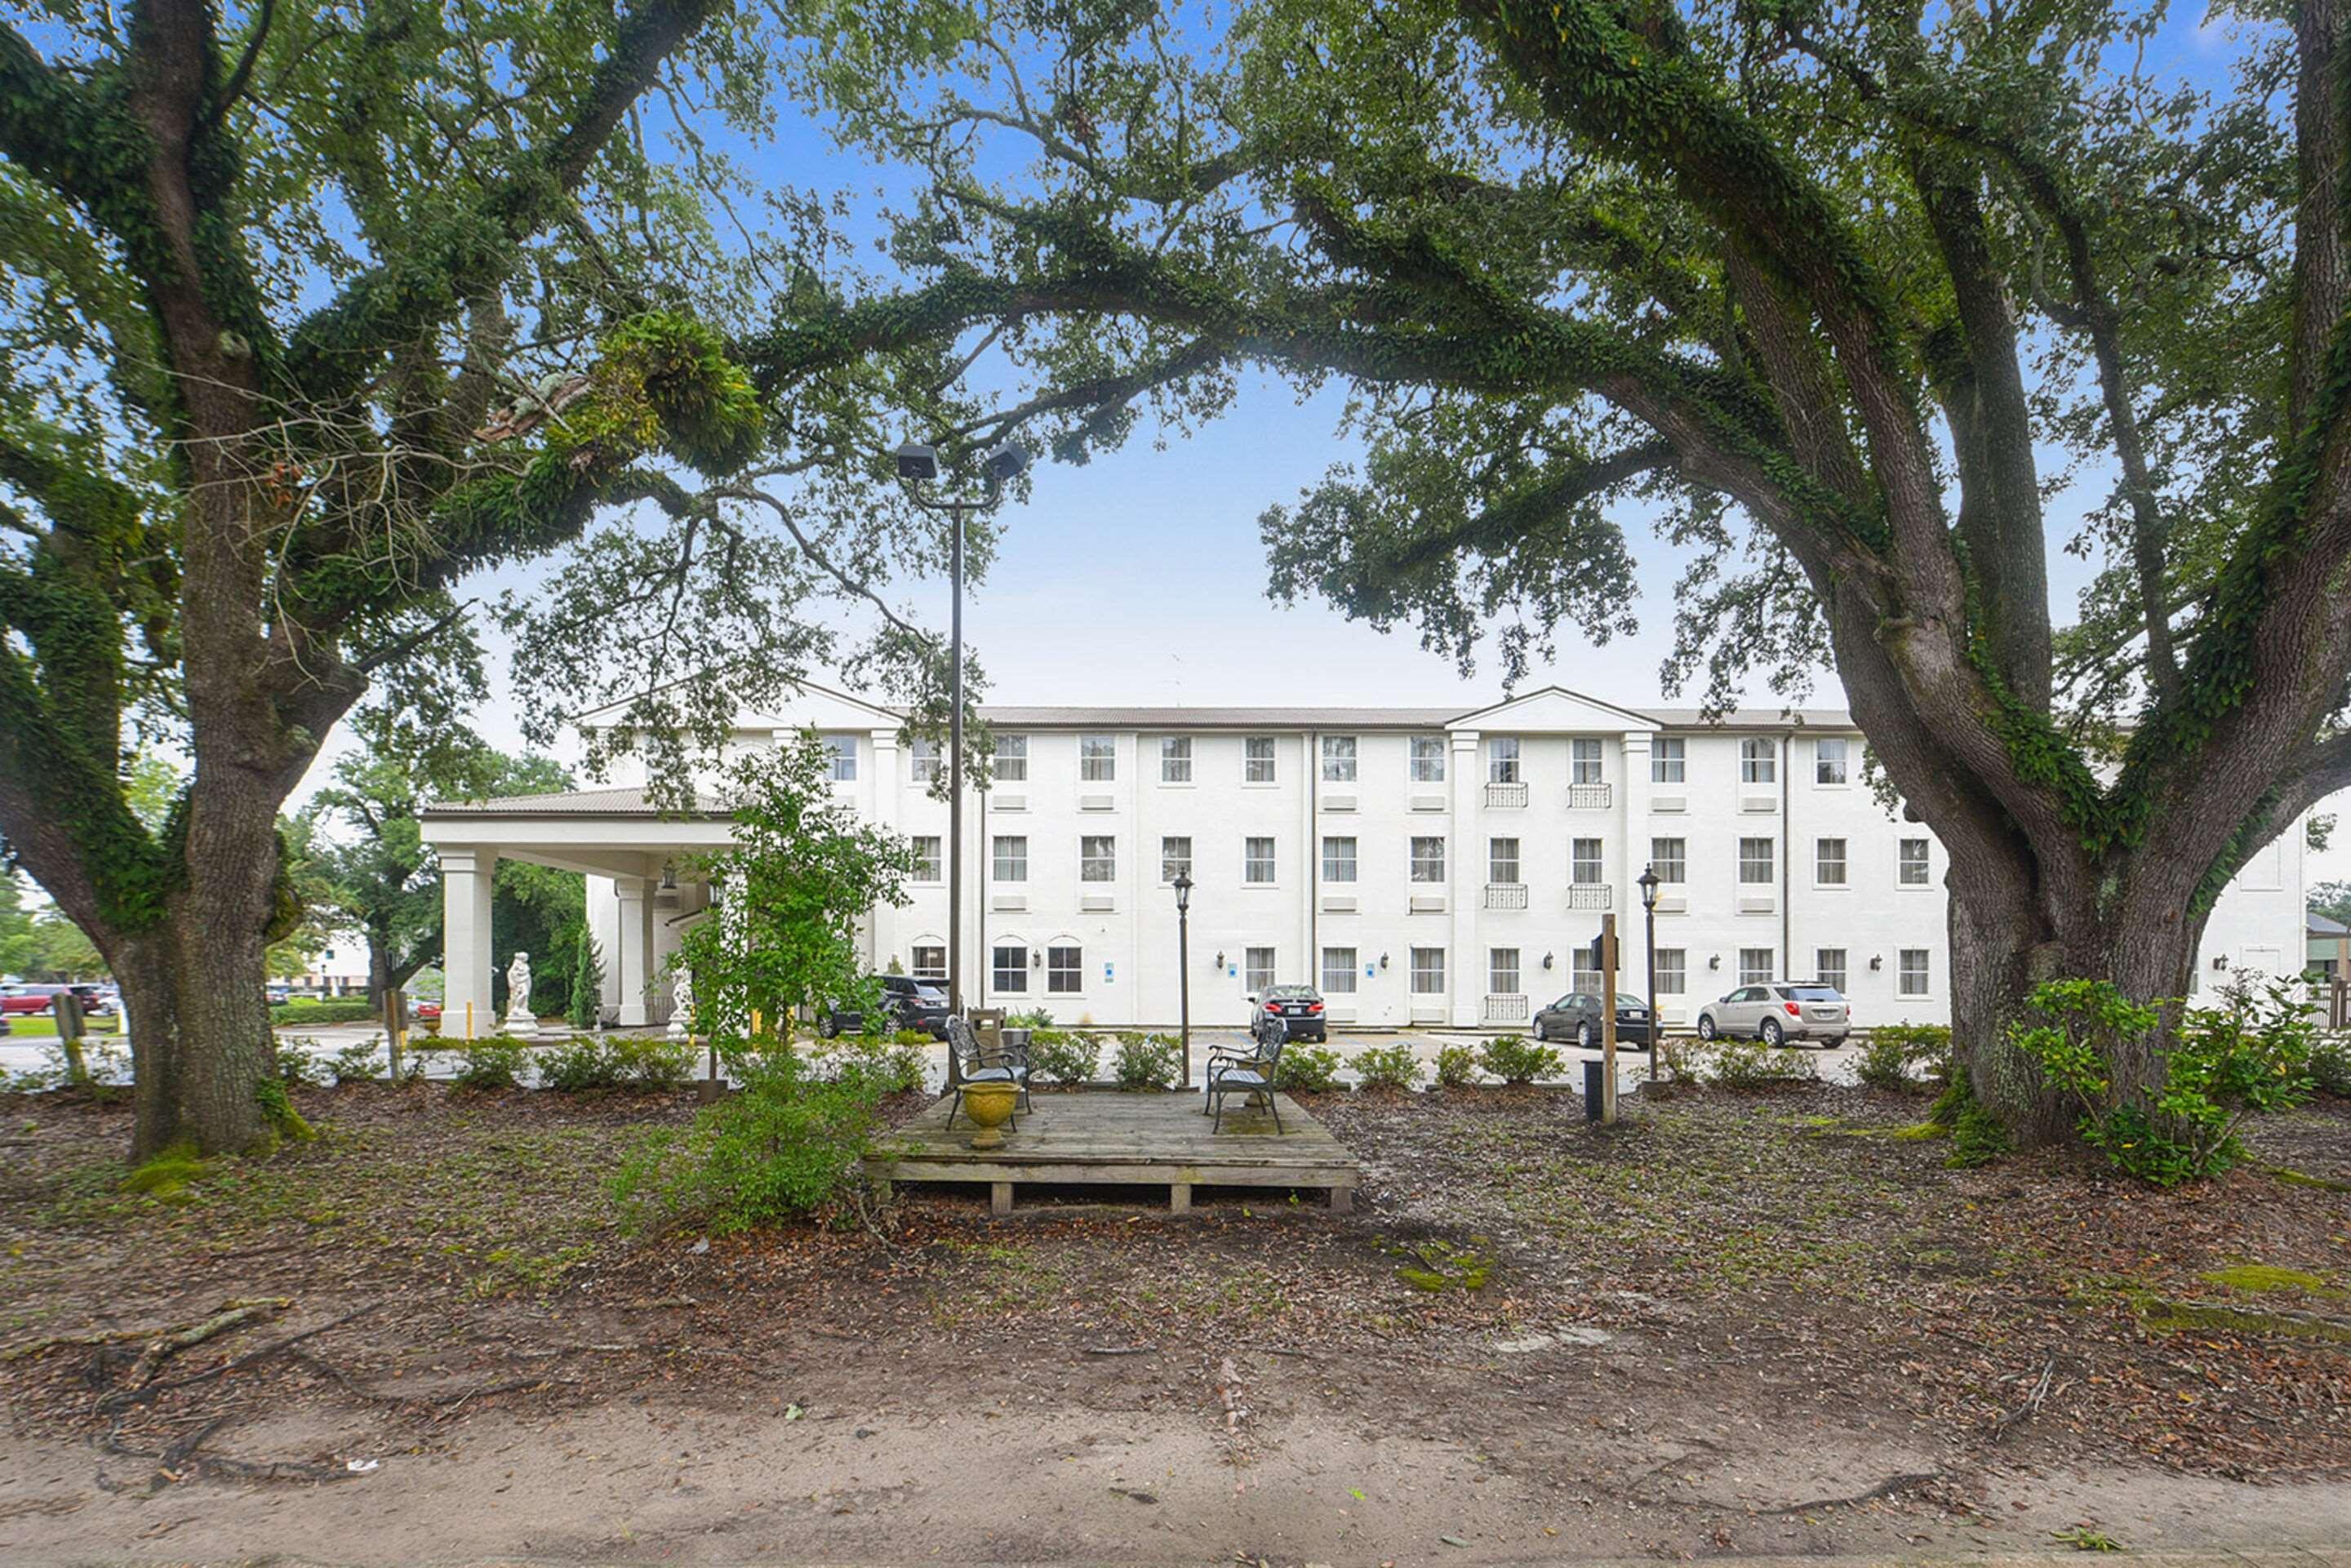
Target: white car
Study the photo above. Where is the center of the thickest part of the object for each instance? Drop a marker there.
(1780, 1012)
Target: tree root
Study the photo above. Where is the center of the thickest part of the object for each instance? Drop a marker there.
(161, 1349)
(147, 1393)
(1882, 1490)
(124, 1336)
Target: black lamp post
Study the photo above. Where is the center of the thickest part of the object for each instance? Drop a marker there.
(1649, 884)
(918, 466)
(1184, 964)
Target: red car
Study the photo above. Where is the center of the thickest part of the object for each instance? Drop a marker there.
(42, 999)
(425, 1013)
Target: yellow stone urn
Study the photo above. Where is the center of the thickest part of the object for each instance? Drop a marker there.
(990, 1106)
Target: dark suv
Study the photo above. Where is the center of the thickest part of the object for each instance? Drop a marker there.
(906, 1003)
(1299, 1008)
(1578, 1016)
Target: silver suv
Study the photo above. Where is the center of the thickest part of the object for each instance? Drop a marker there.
(1778, 1013)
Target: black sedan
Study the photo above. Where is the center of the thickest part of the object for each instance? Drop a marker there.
(1299, 1008)
(906, 1003)
(1577, 1016)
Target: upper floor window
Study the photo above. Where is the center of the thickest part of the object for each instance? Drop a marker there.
(1828, 863)
(1338, 759)
(1503, 759)
(1914, 873)
(1011, 760)
(923, 756)
(1097, 759)
(1830, 758)
(1669, 759)
(1174, 858)
(1583, 762)
(1097, 858)
(844, 756)
(1428, 760)
(1429, 859)
(926, 857)
(1257, 759)
(1585, 862)
(1338, 859)
(1502, 859)
(1755, 861)
(1669, 858)
(1759, 761)
(1176, 759)
(1011, 858)
(1256, 861)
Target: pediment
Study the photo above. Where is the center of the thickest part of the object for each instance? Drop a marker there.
(1555, 710)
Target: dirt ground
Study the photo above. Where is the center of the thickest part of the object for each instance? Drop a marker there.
(1736, 1324)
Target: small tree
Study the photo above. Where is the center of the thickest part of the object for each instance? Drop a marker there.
(587, 985)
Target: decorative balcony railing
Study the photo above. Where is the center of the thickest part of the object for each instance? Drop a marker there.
(1505, 795)
(1590, 797)
(1506, 1009)
(1592, 896)
(1506, 895)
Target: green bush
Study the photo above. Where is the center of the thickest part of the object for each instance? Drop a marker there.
(893, 1066)
(357, 1063)
(615, 1062)
(496, 1063)
(306, 1010)
(1146, 1062)
(1390, 1067)
(587, 1001)
(1742, 1064)
(1064, 1056)
(1977, 1137)
(301, 1060)
(781, 1148)
(1517, 1059)
(1306, 1068)
(2330, 1065)
(2248, 1056)
(1456, 1066)
(919, 1038)
(1034, 1017)
(1893, 1055)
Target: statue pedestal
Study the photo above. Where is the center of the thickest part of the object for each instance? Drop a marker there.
(521, 1024)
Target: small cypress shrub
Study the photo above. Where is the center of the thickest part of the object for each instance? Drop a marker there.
(587, 985)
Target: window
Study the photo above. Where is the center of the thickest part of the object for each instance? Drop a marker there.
(1098, 858)
(1584, 857)
(1673, 971)
(1755, 965)
(1428, 760)
(1755, 861)
(1913, 972)
(926, 857)
(1669, 759)
(1828, 966)
(1011, 764)
(1338, 759)
(1829, 761)
(844, 756)
(1010, 971)
(929, 963)
(1338, 859)
(1914, 863)
(1669, 858)
(1502, 971)
(1257, 969)
(1256, 861)
(923, 756)
(1429, 971)
(1097, 759)
(1429, 860)
(1759, 763)
(1338, 971)
(1502, 859)
(1174, 858)
(1257, 759)
(1583, 762)
(1580, 972)
(1828, 863)
(1065, 970)
(1176, 759)
(1503, 759)
(1011, 859)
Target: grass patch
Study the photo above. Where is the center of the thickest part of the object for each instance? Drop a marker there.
(2257, 1279)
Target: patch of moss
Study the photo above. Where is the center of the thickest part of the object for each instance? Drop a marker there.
(2304, 1178)
(166, 1174)
(2165, 1316)
(2258, 1278)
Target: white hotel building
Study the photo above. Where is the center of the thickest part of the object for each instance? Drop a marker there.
(1434, 867)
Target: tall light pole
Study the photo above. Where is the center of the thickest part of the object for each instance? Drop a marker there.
(1649, 883)
(1183, 963)
(918, 467)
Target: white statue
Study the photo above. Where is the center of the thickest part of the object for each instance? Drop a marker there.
(680, 1004)
(520, 1021)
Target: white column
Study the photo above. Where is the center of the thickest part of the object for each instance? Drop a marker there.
(465, 876)
(632, 959)
(888, 780)
(1465, 980)
(1633, 817)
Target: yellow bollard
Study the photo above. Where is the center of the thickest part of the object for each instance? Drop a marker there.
(469, 1020)
(755, 1023)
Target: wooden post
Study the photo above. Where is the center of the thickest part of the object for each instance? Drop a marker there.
(395, 1028)
(1607, 1018)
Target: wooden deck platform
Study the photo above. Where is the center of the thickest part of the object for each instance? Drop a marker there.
(1097, 1138)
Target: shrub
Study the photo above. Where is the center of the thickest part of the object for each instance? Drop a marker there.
(1456, 1067)
(1744, 1065)
(1390, 1067)
(314, 1012)
(587, 1001)
(1515, 1059)
(891, 1066)
(1306, 1068)
(1893, 1052)
(357, 1063)
(2330, 1065)
(1034, 1017)
(1146, 1062)
(620, 1061)
(781, 1148)
(2252, 1054)
(1977, 1137)
(919, 1038)
(301, 1060)
(1060, 1056)
(496, 1063)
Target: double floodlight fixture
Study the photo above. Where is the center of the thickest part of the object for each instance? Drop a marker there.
(918, 463)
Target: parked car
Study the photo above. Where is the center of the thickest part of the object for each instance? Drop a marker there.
(1579, 1016)
(425, 1013)
(1300, 1009)
(906, 1003)
(38, 1000)
(278, 995)
(1780, 1012)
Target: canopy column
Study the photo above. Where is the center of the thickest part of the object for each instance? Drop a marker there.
(632, 962)
(466, 878)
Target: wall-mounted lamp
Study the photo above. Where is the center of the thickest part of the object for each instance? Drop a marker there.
(1036, 958)
(1714, 960)
(2220, 960)
(669, 878)
(1220, 957)
(1877, 960)
(1546, 960)
(1384, 960)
